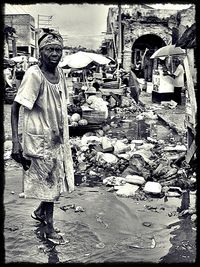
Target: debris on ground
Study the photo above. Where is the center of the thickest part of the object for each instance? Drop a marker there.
(138, 167)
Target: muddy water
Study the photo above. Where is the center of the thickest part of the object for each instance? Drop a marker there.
(111, 229)
(141, 129)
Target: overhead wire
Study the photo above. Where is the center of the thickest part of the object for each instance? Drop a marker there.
(9, 6)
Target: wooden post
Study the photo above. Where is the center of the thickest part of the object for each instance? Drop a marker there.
(191, 110)
(191, 92)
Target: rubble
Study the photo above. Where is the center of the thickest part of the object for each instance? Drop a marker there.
(135, 179)
(113, 180)
(150, 163)
(127, 190)
(153, 187)
(131, 167)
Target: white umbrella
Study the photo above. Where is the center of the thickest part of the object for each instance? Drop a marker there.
(19, 59)
(76, 61)
(82, 60)
(98, 58)
(32, 60)
(168, 50)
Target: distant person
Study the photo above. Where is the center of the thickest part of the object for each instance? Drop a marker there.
(96, 85)
(19, 74)
(178, 76)
(25, 63)
(8, 81)
(137, 69)
(134, 85)
(95, 100)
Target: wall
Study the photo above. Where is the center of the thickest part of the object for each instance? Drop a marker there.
(24, 24)
(135, 25)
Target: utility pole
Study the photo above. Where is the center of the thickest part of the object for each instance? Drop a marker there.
(119, 59)
(37, 32)
(120, 35)
(14, 46)
(42, 22)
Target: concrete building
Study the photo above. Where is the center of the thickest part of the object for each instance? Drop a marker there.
(143, 31)
(24, 25)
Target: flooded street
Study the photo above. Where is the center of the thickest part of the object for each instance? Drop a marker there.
(109, 228)
(100, 164)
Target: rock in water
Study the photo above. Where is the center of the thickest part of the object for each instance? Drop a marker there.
(127, 190)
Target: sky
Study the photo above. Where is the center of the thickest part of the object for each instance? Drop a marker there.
(80, 24)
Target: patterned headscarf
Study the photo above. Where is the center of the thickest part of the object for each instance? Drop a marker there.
(50, 37)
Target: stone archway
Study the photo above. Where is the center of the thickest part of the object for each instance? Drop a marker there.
(142, 49)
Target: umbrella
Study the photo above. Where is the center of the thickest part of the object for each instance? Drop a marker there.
(168, 50)
(82, 60)
(112, 60)
(19, 59)
(8, 61)
(98, 58)
(32, 60)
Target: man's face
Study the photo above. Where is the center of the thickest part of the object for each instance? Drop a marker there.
(51, 54)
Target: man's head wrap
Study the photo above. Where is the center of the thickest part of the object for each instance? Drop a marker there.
(50, 37)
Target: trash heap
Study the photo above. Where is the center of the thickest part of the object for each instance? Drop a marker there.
(136, 168)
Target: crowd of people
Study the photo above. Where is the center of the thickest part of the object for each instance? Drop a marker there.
(14, 71)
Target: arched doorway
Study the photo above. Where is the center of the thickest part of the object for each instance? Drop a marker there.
(142, 50)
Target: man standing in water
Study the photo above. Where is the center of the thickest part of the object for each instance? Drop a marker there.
(43, 94)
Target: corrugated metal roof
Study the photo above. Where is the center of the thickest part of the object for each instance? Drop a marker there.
(188, 38)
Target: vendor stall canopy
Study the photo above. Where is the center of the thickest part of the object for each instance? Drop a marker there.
(19, 59)
(188, 38)
(9, 62)
(168, 50)
(82, 60)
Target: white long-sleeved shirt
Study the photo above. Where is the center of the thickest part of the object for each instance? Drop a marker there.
(179, 76)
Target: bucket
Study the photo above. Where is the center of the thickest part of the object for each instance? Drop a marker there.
(149, 87)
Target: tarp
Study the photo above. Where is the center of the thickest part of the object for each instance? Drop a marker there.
(21, 59)
(168, 50)
(188, 38)
(82, 60)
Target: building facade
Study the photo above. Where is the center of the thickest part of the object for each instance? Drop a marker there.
(25, 40)
(143, 30)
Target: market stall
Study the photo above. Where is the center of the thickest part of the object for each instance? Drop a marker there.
(188, 42)
(163, 88)
(83, 117)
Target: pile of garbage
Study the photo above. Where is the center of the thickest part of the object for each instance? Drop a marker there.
(136, 168)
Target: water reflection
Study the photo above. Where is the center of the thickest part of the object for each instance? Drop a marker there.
(141, 129)
(183, 243)
(47, 247)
